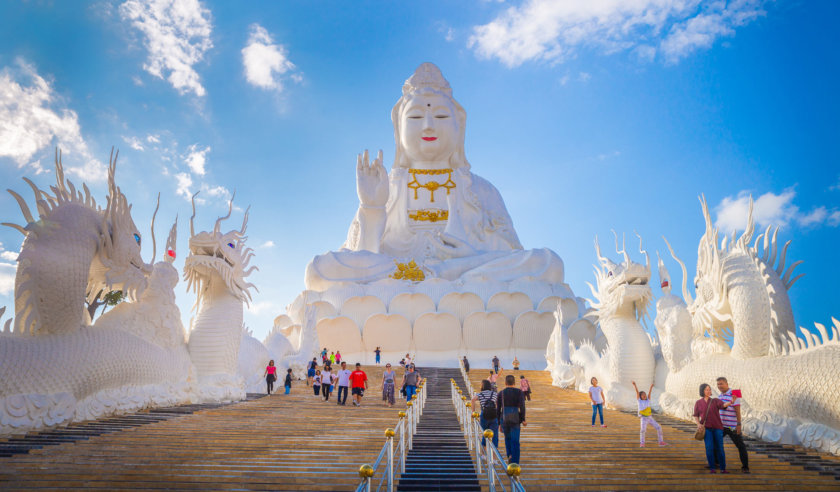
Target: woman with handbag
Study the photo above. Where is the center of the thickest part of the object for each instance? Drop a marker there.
(270, 376)
(710, 427)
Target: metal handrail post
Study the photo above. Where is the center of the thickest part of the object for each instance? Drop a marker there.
(402, 445)
(469, 434)
(390, 464)
(489, 461)
(477, 453)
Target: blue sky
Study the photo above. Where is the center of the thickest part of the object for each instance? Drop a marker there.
(587, 116)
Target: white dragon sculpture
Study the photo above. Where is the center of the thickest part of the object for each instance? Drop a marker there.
(55, 367)
(790, 384)
(216, 270)
(625, 353)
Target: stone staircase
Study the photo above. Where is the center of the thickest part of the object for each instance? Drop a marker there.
(282, 442)
(560, 450)
(439, 459)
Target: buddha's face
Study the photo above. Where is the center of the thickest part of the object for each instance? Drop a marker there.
(428, 128)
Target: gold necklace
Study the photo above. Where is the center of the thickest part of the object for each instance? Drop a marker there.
(430, 185)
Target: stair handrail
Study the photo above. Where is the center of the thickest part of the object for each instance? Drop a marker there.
(465, 375)
(405, 429)
(473, 433)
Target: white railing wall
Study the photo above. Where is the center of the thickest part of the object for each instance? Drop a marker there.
(404, 433)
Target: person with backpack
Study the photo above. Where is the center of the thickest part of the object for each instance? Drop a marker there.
(488, 418)
(511, 410)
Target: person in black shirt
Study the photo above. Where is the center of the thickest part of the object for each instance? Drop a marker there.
(511, 411)
(466, 365)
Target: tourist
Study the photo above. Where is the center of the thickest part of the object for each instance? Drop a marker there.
(486, 400)
(358, 383)
(515, 363)
(310, 371)
(525, 386)
(388, 383)
(402, 362)
(731, 419)
(596, 396)
(496, 363)
(494, 376)
(316, 383)
(709, 408)
(466, 365)
(646, 416)
(288, 383)
(343, 384)
(338, 356)
(270, 376)
(408, 360)
(378, 353)
(326, 382)
(324, 356)
(410, 380)
(511, 410)
(332, 358)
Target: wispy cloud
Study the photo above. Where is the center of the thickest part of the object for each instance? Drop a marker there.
(196, 158)
(33, 118)
(134, 142)
(184, 183)
(260, 307)
(7, 271)
(266, 62)
(177, 36)
(770, 208)
(266, 245)
(554, 31)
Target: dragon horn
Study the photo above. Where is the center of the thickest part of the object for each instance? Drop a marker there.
(245, 221)
(642, 251)
(623, 250)
(217, 227)
(192, 227)
(686, 295)
(154, 243)
(602, 259)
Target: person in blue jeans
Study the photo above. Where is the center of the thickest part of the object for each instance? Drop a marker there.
(410, 383)
(511, 410)
(707, 415)
(596, 396)
(485, 400)
(288, 383)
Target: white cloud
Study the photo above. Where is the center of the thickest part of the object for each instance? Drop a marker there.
(7, 278)
(12, 256)
(134, 143)
(835, 186)
(265, 61)
(196, 158)
(256, 308)
(554, 31)
(33, 118)
(153, 138)
(216, 191)
(184, 184)
(177, 35)
(770, 208)
(267, 244)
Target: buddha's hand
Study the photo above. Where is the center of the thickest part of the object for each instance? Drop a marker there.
(371, 180)
(452, 247)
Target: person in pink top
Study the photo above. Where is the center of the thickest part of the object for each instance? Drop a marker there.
(525, 386)
(270, 376)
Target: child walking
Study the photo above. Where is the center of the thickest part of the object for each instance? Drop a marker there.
(316, 382)
(288, 382)
(596, 396)
(646, 416)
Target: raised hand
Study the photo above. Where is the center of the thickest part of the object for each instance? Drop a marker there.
(371, 180)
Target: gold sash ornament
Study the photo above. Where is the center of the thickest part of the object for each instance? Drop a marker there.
(428, 215)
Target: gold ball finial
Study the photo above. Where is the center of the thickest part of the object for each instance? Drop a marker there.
(513, 470)
(468, 404)
(401, 414)
(475, 415)
(365, 471)
(488, 434)
(389, 432)
(414, 397)
(463, 398)
(408, 403)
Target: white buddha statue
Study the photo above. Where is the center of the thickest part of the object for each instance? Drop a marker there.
(431, 210)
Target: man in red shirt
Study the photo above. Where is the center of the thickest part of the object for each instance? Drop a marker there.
(358, 381)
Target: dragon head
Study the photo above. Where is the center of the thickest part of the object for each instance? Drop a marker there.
(221, 254)
(621, 283)
(118, 264)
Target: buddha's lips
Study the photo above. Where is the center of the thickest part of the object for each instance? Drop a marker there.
(429, 139)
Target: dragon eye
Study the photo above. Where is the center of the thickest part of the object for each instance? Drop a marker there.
(609, 274)
(137, 238)
(231, 245)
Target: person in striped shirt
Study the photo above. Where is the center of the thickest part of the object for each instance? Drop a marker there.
(731, 418)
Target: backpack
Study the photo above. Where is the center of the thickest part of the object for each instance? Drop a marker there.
(488, 410)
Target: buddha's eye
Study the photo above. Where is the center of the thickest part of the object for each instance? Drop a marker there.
(137, 239)
(231, 245)
(415, 117)
(441, 116)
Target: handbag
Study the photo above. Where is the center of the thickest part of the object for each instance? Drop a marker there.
(700, 433)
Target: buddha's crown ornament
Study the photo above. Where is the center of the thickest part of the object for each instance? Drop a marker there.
(427, 76)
